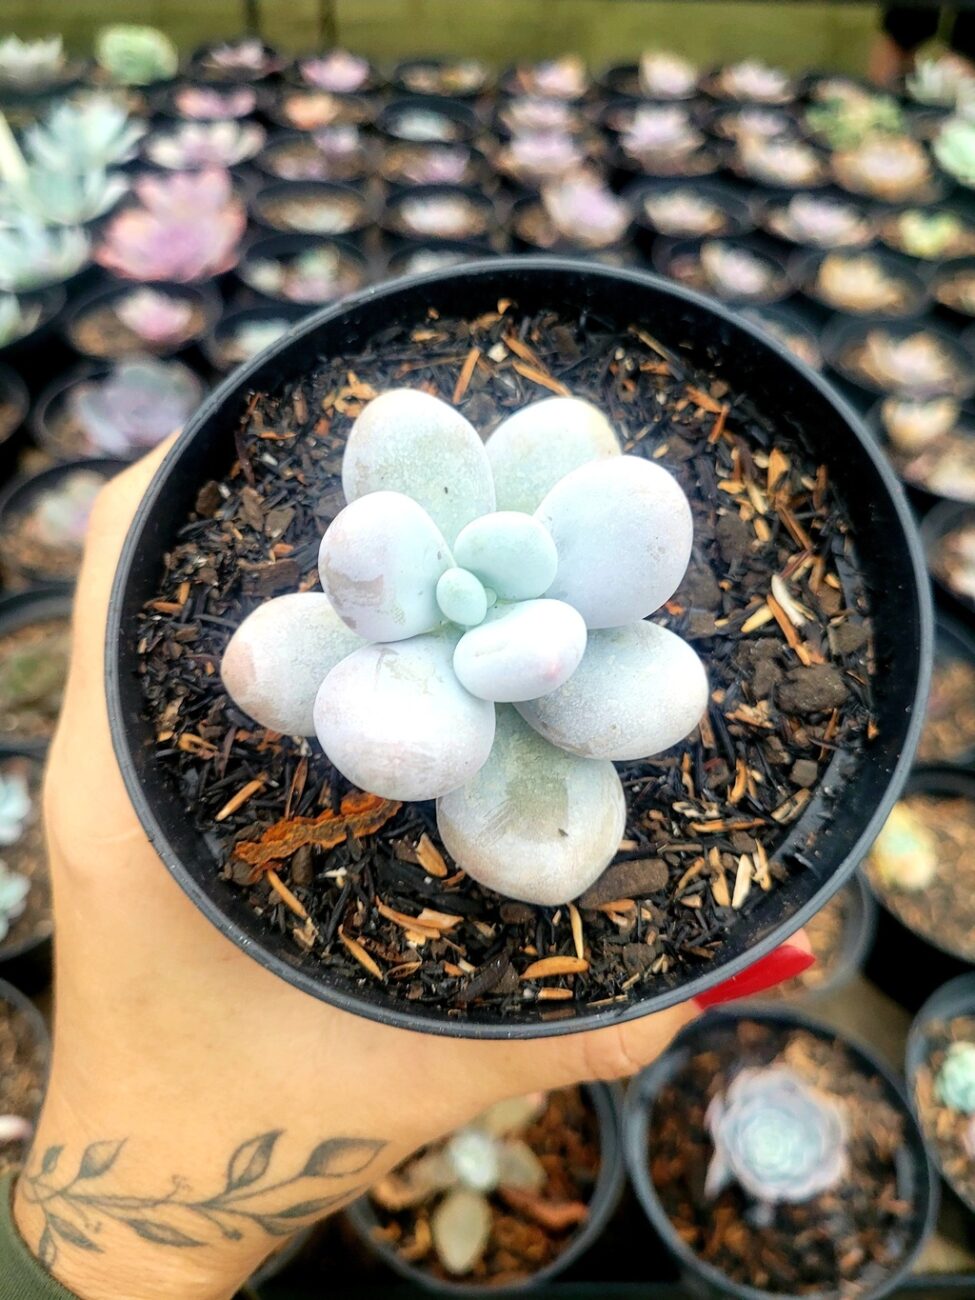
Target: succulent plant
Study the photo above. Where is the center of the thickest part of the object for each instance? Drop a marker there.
(845, 123)
(954, 1084)
(913, 425)
(88, 134)
(456, 77)
(563, 78)
(954, 148)
(59, 515)
(158, 318)
(777, 1137)
(252, 337)
(310, 110)
(541, 156)
(314, 276)
(337, 71)
(211, 104)
(585, 212)
(529, 113)
(193, 145)
(425, 126)
(660, 132)
(890, 167)
(735, 272)
(684, 213)
(16, 807)
(942, 81)
(753, 80)
(754, 121)
(858, 283)
(59, 198)
(17, 319)
(442, 216)
(480, 608)
(780, 161)
(462, 1172)
(904, 856)
(133, 55)
(140, 402)
(28, 64)
(13, 897)
(667, 76)
(246, 57)
(437, 165)
(932, 235)
(916, 363)
(188, 228)
(821, 222)
(32, 255)
(432, 259)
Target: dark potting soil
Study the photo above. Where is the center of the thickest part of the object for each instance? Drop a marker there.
(28, 857)
(826, 932)
(100, 333)
(33, 671)
(528, 1231)
(949, 723)
(943, 911)
(841, 1242)
(23, 1065)
(951, 1133)
(704, 819)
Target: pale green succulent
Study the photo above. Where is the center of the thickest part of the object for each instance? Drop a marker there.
(133, 55)
(13, 897)
(928, 234)
(954, 148)
(955, 1082)
(61, 198)
(16, 807)
(33, 255)
(83, 135)
(940, 81)
(843, 123)
(17, 319)
(30, 63)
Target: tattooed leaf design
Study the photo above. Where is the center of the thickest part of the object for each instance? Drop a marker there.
(250, 1161)
(99, 1158)
(71, 1233)
(317, 1206)
(342, 1157)
(50, 1160)
(274, 1227)
(47, 1251)
(161, 1233)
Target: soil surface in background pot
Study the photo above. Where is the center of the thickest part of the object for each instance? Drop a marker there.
(951, 1133)
(826, 932)
(949, 723)
(937, 899)
(840, 1242)
(101, 333)
(27, 857)
(528, 1230)
(703, 820)
(33, 672)
(23, 1065)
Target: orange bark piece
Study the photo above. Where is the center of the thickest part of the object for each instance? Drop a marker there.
(549, 966)
(360, 814)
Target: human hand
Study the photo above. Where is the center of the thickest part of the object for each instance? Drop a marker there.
(200, 1108)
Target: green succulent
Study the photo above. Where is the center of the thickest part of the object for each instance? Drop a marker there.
(30, 63)
(844, 123)
(928, 234)
(16, 319)
(32, 255)
(955, 1083)
(133, 55)
(59, 198)
(954, 148)
(83, 135)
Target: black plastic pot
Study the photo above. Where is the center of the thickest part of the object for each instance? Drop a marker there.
(465, 122)
(202, 295)
(859, 931)
(360, 167)
(400, 79)
(703, 163)
(268, 195)
(739, 213)
(15, 998)
(492, 211)
(667, 252)
(917, 1182)
(225, 327)
(952, 640)
(276, 247)
(909, 966)
(841, 820)
(19, 610)
(27, 964)
(605, 1101)
(943, 519)
(843, 333)
(956, 998)
(804, 269)
(791, 317)
(18, 497)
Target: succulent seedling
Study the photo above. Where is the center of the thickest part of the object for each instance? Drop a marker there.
(27, 64)
(190, 146)
(942, 82)
(954, 1084)
(930, 235)
(905, 853)
(134, 55)
(655, 132)
(157, 317)
(823, 223)
(465, 578)
(586, 212)
(752, 80)
(211, 104)
(734, 272)
(890, 167)
(140, 402)
(14, 889)
(666, 76)
(845, 123)
(33, 255)
(90, 133)
(16, 807)
(954, 148)
(338, 71)
(916, 363)
(59, 515)
(913, 425)
(779, 160)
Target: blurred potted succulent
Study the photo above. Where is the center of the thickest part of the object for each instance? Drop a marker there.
(313, 208)
(816, 1175)
(663, 75)
(733, 272)
(949, 721)
(948, 532)
(954, 149)
(941, 82)
(335, 153)
(19, 318)
(846, 123)
(818, 221)
(538, 158)
(932, 447)
(157, 319)
(34, 256)
(752, 81)
(434, 212)
(451, 78)
(932, 236)
(428, 121)
(683, 210)
(59, 198)
(564, 78)
(240, 334)
(507, 1202)
(780, 161)
(752, 120)
(953, 286)
(862, 283)
(33, 67)
(529, 115)
(35, 642)
(44, 522)
(434, 164)
(336, 71)
(910, 359)
(302, 269)
(120, 412)
(662, 140)
(191, 146)
(78, 136)
(892, 168)
(203, 103)
(311, 110)
(26, 920)
(132, 55)
(246, 59)
(14, 400)
(187, 227)
(419, 258)
(580, 212)
(25, 1049)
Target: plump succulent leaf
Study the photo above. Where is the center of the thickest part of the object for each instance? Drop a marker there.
(461, 1228)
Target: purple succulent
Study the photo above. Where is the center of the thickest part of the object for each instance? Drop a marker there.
(138, 404)
(532, 114)
(778, 1138)
(192, 145)
(246, 57)
(542, 156)
(338, 71)
(437, 165)
(209, 104)
(158, 318)
(667, 132)
(586, 212)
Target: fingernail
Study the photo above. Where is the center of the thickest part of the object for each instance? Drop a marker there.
(785, 963)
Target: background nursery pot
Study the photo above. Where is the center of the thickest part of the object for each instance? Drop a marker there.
(605, 1196)
(916, 1178)
(837, 824)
